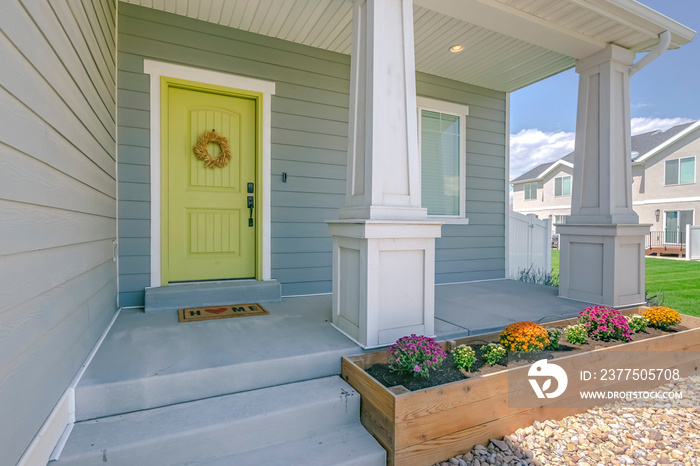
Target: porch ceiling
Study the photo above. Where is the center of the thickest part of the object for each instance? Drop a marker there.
(508, 44)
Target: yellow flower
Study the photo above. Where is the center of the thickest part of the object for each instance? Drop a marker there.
(662, 317)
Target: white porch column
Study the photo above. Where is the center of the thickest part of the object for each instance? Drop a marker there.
(602, 243)
(383, 244)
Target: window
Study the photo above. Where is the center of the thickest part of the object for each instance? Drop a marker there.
(680, 171)
(562, 186)
(559, 219)
(441, 129)
(530, 191)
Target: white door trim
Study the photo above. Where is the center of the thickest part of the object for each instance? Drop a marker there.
(156, 70)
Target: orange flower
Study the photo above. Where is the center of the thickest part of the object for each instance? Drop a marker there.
(524, 336)
(662, 317)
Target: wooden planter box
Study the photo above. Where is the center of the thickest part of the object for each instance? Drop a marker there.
(426, 426)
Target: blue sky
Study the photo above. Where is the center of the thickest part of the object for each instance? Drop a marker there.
(664, 93)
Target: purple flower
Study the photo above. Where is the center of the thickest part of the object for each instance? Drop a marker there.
(416, 368)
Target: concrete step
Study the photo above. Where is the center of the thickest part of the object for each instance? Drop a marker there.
(289, 419)
(149, 360)
(219, 293)
(349, 445)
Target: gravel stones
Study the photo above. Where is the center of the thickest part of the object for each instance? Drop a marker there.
(629, 433)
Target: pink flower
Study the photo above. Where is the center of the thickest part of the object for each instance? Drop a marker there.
(416, 368)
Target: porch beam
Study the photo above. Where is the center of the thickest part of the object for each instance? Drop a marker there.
(549, 35)
(516, 23)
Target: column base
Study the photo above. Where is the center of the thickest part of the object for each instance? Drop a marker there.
(383, 279)
(602, 264)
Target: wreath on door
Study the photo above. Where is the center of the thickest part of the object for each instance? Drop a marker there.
(200, 150)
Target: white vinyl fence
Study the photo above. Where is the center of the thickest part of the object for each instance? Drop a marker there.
(692, 251)
(530, 245)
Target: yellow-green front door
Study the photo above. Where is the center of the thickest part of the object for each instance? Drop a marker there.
(209, 229)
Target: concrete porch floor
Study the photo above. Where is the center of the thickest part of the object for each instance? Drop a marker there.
(474, 308)
(149, 359)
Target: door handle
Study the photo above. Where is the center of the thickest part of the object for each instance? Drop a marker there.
(251, 205)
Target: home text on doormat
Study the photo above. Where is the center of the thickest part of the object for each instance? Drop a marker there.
(194, 314)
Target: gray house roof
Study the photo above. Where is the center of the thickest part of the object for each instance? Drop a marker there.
(641, 144)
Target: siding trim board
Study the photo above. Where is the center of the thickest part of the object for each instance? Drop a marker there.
(158, 69)
(51, 438)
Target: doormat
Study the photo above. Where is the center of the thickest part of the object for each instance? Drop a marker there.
(194, 314)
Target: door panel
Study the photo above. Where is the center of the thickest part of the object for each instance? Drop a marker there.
(671, 227)
(208, 234)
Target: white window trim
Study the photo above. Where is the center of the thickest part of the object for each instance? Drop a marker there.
(562, 186)
(462, 111)
(679, 170)
(524, 191)
(156, 69)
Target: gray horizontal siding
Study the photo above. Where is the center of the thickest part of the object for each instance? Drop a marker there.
(309, 139)
(309, 144)
(57, 203)
(475, 251)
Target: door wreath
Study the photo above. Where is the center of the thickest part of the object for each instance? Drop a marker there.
(200, 150)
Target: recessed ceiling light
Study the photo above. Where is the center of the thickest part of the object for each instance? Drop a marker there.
(456, 48)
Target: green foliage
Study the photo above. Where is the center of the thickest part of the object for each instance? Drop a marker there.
(464, 357)
(555, 261)
(669, 283)
(493, 353)
(554, 281)
(675, 284)
(637, 323)
(554, 336)
(654, 299)
(576, 334)
(539, 276)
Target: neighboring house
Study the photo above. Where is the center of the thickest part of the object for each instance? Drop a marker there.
(545, 191)
(665, 187)
(102, 101)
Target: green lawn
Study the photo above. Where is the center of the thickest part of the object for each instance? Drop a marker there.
(677, 281)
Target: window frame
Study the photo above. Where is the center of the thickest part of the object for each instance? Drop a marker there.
(678, 218)
(525, 185)
(678, 171)
(562, 186)
(461, 111)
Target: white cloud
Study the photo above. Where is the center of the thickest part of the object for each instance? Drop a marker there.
(531, 147)
(644, 125)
